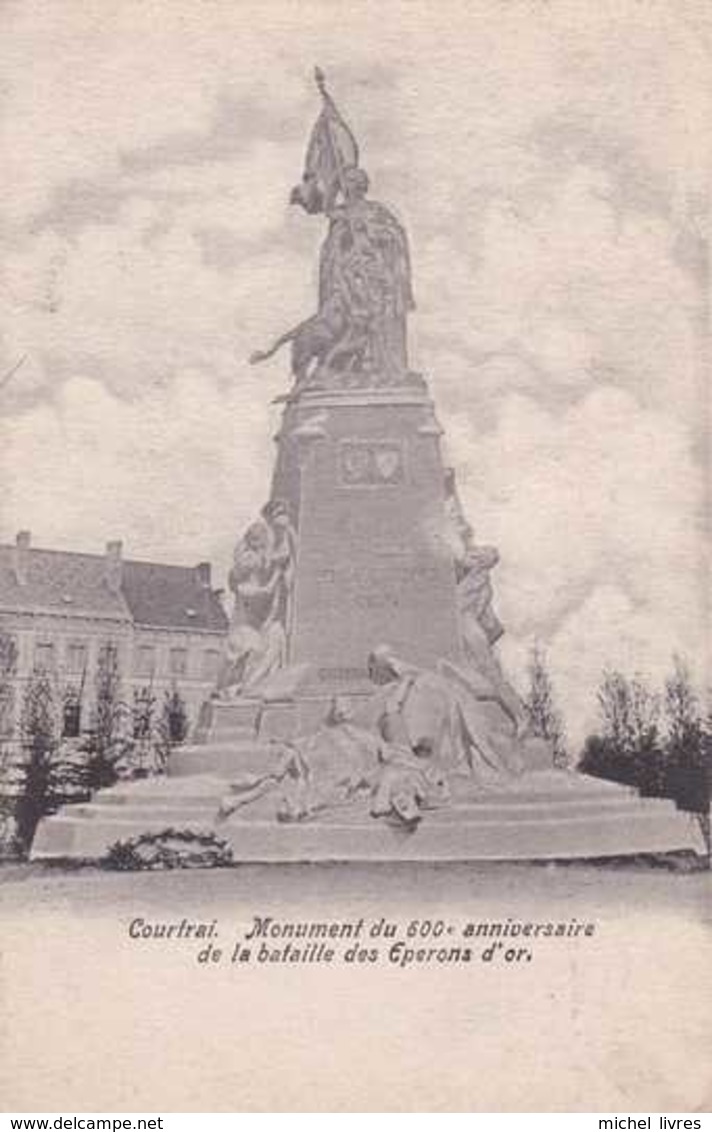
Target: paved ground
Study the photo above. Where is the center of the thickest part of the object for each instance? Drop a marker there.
(610, 888)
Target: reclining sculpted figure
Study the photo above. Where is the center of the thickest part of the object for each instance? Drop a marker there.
(338, 765)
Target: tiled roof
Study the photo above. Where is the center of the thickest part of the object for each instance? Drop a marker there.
(170, 597)
(61, 581)
(150, 593)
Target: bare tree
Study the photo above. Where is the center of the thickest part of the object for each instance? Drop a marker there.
(683, 712)
(545, 720)
(614, 709)
(628, 747)
(688, 746)
(644, 715)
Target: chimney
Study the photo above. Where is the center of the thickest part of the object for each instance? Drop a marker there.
(112, 567)
(202, 575)
(22, 557)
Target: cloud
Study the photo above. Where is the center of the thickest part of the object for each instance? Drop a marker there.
(174, 473)
(553, 189)
(610, 630)
(572, 291)
(596, 513)
(136, 300)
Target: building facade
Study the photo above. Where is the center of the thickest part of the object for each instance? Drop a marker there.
(164, 626)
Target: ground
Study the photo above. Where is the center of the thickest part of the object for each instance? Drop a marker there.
(97, 1021)
(676, 884)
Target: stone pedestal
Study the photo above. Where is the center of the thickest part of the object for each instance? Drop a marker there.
(362, 475)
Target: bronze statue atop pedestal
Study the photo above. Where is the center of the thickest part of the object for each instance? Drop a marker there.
(358, 336)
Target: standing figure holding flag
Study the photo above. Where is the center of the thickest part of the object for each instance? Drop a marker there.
(358, 335)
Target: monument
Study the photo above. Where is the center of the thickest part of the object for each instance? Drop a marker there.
(363, 540)
(361, 711)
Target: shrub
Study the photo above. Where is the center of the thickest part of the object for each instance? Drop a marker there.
(603, 758)
(674, 762)
(628, 748)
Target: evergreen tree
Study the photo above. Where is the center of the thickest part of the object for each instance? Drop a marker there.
(8, 670)
(175, 717)
(109, 741)
(39, 727)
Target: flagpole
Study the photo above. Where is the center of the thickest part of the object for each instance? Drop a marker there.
(320, 79)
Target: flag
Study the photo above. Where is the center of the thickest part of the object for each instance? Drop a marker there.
(332, 148)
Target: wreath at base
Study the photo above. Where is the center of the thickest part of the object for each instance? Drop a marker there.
(169, 849)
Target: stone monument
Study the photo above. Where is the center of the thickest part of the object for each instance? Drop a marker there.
(361, 711)
(369, 542)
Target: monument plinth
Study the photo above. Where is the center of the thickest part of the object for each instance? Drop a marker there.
(362, 474)
(361, 712)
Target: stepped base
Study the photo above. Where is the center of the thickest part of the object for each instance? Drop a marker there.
(545, 815)
(223, 758)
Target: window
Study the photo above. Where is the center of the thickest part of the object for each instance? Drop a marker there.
(146, 661)
(44, 655)
(109, 656)
(76, 657)
(211, 664)
(71, 717)
(179, 662)
(176, 715)
(9, 652)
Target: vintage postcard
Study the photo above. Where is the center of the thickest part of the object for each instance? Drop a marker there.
(355, 717)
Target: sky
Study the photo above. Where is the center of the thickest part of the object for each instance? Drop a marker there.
(549, 162)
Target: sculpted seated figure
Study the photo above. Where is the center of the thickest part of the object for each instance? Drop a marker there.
(261, 580)
(480, 628)
(445, 716)
(358, 334)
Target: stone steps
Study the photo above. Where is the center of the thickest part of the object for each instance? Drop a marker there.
(189, 813)
(187, 792)
(544, 816)
(264, 841)
(223, 758)
(523, 809)
(226, 734)
(160, 816)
